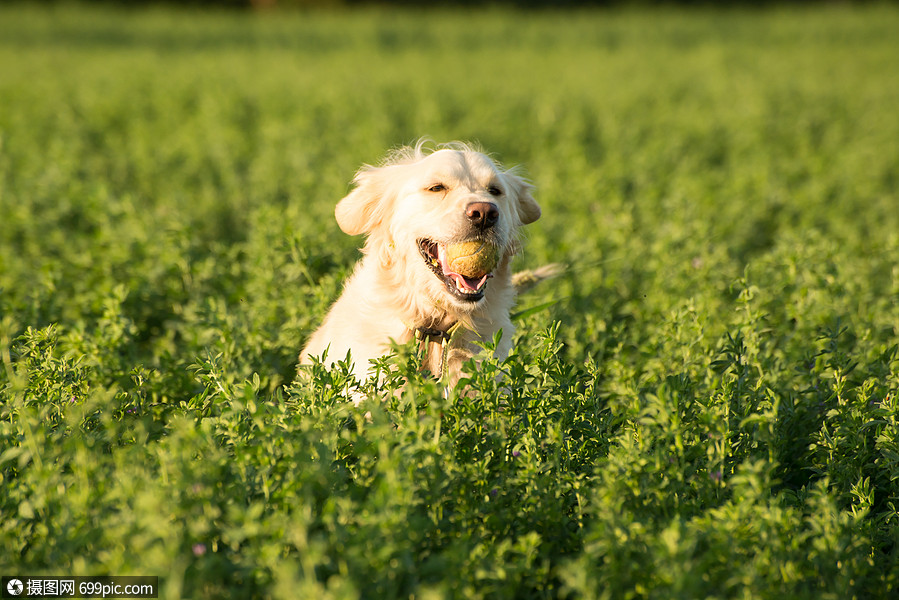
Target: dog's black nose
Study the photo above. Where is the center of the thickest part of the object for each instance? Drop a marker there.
(482, 215)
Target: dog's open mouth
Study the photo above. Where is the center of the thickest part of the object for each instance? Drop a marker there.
(469, 289)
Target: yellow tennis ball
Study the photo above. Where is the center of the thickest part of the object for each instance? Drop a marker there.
(472, 259)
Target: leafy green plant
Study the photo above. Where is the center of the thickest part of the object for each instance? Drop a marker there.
(704, 404)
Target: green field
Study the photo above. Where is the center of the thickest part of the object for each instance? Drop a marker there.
(705, 405)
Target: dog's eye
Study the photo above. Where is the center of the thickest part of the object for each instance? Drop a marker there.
(438, 187)
(494, 191)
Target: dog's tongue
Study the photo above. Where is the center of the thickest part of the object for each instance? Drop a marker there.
(461, 281)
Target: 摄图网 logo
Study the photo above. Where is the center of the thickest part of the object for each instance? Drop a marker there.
(14, 587)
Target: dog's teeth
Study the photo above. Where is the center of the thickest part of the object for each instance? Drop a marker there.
(464, 289)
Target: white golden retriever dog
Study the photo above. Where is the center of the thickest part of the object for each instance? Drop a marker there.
(411, 207)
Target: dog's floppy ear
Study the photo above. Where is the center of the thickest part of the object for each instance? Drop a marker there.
(363, 208)
(528, 209)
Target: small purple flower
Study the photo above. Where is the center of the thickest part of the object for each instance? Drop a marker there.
(516, 454)
(716, 476)
(494, 492)
(199, 549)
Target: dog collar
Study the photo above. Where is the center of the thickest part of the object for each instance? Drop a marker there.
(431, 339)
(434, 335)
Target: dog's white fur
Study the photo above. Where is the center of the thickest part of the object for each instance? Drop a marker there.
(392, 291)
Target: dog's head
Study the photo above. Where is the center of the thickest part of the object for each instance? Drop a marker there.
(417, 204)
